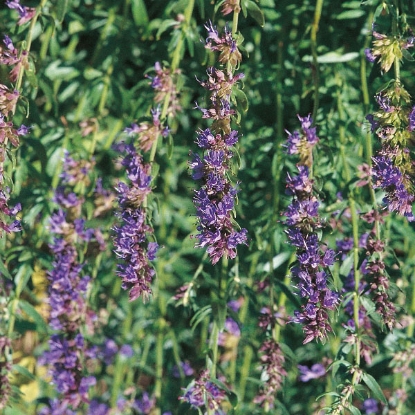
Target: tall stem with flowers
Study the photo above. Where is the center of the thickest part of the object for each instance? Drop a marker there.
(215, 200)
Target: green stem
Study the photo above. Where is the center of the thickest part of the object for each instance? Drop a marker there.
(246, 366)
(29, 38)
(395, 32)
(356, 295)
(279, 151)
(178, 51)
(105, 90)
(159, 359)
(220, 316)
(313, 38)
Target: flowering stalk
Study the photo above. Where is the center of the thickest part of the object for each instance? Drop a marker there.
(304, 222)
(131, 237)
(216, 198)
(68, 293)
(394, 124)
(313, 42)
(202, 392)
(272, 361)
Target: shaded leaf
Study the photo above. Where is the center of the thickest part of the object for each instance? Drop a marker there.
(374, 387)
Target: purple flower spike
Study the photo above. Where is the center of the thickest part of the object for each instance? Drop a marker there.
(68, 300)
(303, 221)
(203, 391)
(390, 178)
(130, 241)
(215, 200)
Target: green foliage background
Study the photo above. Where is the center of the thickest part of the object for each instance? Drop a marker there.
(89, 61)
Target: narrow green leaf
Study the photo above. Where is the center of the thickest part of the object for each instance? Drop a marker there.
(140, 14)
(288, 353)
(219, 313)
(407, 55)
(350, 14)
(23, 371)
(353, 410)
(241, 100)
(22, 277)
(256, 13)
(164, 26)
(374, 387)
(5, 271)
(31, 75)
(61, 9)
(34, 315)
(294, 299)
(170, 146)
(282, 407)
(200, 316)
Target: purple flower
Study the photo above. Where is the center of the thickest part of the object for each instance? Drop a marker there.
(411, 120)
(370, 406)
(126, 350)
(369, 55)
(68, 305)
(202, 391)
(5, 370)
(316, 371)
(225, 44)
(302, 143)
(10, 225)
(148, 132)
(389, 177)
(384, 102)
(164, 83)
(272, 360)
(130, 241)
(303, 221)
(186, 368)
(145, 404)
(96, 408)
(109, 350)
(25, 13)
(215, 199)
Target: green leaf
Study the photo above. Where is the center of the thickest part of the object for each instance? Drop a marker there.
(170, 146)
(164, 26)
(31, 75)
(22, 277)
(255, 12)
(241, 100)
(374, 387)
(353, 410)
(55, 72)
(92, 73)
(219, 313)
(350, 14)
(293, 298)
(23, 371)
(277, 261)
(61, 9)
(4, 271)
(288, 353)
(407, 55)
(333, 57)
(140, 14)
(200, 316)
(283, 409)
(34, 315)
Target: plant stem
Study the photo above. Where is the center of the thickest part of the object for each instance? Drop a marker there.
(356, 295)
(29, 38)
(313, 38)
